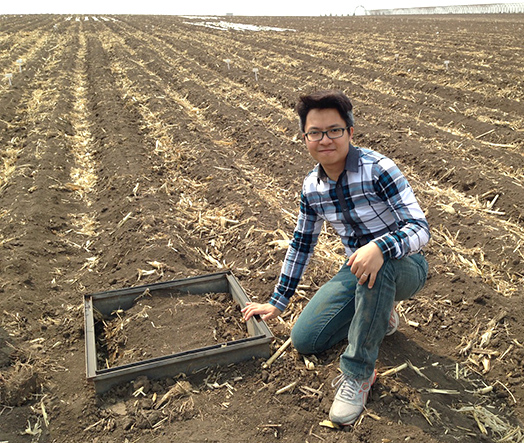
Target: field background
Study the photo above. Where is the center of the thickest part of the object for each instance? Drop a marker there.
(137, 149)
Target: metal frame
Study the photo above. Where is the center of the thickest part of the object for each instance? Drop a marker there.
(256, 345)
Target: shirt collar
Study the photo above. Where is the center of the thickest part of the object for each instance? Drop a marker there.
(351, 163)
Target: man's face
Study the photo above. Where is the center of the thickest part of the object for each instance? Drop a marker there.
(331, 154)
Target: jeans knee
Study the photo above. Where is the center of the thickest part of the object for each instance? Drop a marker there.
(301, 342)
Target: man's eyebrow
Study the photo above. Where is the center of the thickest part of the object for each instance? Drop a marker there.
(316, 128)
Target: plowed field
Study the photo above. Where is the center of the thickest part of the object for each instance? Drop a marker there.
(132, 153)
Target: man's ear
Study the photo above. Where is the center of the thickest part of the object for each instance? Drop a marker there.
(351, 129)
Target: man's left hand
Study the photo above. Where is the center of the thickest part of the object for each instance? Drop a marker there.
(365, 263)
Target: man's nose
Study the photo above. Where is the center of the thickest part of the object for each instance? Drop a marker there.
(325, 140)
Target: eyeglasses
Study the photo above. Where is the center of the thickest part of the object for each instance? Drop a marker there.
(333, 133)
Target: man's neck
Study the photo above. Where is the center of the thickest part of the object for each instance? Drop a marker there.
(333, 173)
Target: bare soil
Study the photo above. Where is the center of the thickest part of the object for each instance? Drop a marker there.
(156, 326)
(132, 153)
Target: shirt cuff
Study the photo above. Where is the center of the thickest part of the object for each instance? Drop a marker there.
(279, 302)
(387, 251)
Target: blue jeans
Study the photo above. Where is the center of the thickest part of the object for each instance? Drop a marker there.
(343, 309)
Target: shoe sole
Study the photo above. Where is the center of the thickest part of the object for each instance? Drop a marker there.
(394, 329)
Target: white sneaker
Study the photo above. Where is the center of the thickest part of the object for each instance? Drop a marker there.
(350, 398)
(394, 322)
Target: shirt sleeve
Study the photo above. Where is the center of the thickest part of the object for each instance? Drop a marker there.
(412, 232)
(299, 252)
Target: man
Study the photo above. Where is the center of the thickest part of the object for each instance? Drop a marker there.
(370, 204)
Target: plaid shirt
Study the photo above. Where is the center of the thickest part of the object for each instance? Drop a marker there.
(371, 201)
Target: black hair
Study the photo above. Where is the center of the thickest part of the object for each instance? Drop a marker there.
(326, 99)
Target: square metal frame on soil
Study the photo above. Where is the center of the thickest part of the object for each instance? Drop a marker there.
(255, 345)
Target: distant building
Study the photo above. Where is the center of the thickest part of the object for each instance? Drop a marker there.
(494, 8)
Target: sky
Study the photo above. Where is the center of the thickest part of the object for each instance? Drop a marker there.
(214, 7)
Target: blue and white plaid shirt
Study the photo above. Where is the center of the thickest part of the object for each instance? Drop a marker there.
(378, 205)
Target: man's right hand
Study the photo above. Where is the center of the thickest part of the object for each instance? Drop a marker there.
(266, 311)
